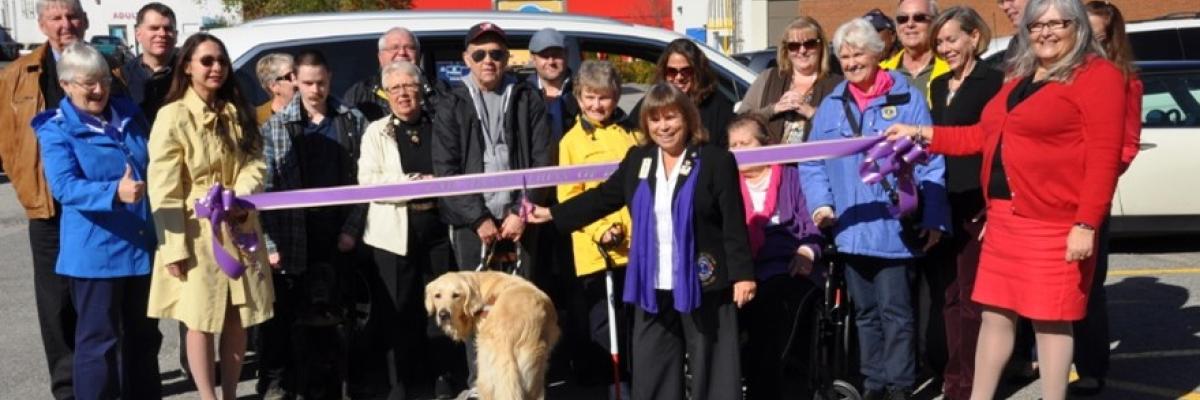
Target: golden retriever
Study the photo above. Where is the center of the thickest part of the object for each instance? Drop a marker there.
(514, 325)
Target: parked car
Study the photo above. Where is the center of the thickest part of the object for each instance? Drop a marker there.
(1157, 195)
(758, 61)
(112, 47)
(350, 43)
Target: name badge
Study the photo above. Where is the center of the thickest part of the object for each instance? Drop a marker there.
(888, 113)
(644, 172)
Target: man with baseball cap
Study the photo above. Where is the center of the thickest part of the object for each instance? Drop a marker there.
(887, 31)
(492, 123)
(553, 79)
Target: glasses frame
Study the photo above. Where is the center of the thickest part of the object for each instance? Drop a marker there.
(919, 18)
(1055, 25)
(810, 44)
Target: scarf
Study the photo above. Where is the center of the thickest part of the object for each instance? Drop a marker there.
(642, 271)
(883, 85)
(756, 221)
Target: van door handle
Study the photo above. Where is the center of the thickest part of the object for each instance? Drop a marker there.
(1146, 146)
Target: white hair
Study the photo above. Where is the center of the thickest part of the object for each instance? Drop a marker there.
(80, 60)
(269, 68)
(399, 30)
(72, 5)
(860, 34)
(403, 67)
(1024, 62)
(933, 7)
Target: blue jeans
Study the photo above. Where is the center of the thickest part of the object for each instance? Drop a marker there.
(880, 291)
(116, 344)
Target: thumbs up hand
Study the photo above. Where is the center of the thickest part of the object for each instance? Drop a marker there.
(130, 191)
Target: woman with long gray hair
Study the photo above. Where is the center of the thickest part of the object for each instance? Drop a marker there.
(1051, 144)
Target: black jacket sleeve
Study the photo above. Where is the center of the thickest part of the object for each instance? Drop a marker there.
(539, 140)
(596, 203)
(449, 137)
(733, 221)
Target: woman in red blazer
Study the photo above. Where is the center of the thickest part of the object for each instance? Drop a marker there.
(1051, 144)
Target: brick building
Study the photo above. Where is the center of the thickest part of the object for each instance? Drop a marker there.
(832, 13)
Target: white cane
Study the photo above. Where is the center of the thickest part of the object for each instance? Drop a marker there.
(610, 301)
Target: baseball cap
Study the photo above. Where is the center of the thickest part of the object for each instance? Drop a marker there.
(484, 28)
(879, 20)
(545, 39)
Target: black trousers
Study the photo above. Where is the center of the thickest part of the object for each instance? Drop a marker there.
(274, 338)
(1091, 333)
(56, 312)
(403, 277)
(769, 322)
(706, 339)
(117, 343)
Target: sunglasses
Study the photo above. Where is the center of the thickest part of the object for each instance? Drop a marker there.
(495, 55)
(810, 44)
(285, 77)
(208, 61)
(673, 72)
(916, 18)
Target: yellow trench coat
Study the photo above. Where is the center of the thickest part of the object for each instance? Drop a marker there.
(186, 159)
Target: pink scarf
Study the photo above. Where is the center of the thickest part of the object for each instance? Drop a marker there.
(757, 221)
(883, 84)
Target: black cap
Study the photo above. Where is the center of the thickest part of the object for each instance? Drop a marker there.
(484, 28)
(879, 20)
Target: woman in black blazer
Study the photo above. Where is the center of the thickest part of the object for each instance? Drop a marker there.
(699, 225)
(961, 36)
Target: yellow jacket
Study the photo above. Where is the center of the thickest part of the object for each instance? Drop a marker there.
(940, 67)
(186, 159)
(587, 143)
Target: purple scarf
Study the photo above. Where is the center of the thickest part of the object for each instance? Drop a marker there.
(642, 273)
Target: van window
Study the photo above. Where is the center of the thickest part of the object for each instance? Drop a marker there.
(1171, 100)
(350, 60)
(1157, 45)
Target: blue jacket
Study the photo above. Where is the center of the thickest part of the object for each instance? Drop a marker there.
(864, 225)
(100, 237)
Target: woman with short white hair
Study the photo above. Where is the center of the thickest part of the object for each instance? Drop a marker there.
(1051, 143)
(407, 237)
(94, 152)
(877, 243)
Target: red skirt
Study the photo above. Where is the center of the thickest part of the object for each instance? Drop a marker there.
(1023, 267)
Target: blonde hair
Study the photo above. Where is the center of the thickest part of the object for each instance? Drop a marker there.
(599, 76)
(781, 56)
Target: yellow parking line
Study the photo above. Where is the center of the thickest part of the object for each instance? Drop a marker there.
(1152, 271)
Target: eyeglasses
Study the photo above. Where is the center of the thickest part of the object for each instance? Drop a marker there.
(91, 86)
(902, 19)
(1054, 25)
(285, 77)
(810, 44)
(495, 55)
(208, 61)
(402, 87)
(673, 72)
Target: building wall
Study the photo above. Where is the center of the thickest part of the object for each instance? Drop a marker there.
(832, 13)
(108, 17)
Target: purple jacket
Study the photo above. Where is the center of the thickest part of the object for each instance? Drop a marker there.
(795, 228)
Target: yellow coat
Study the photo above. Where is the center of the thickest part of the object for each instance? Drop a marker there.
(588, 144)
(186, 159)
(940, 67)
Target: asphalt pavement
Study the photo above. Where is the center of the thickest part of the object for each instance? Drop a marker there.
(1155, 324)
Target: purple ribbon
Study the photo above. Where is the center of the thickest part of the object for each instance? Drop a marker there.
(215, 206)
(531, 178)
(899, 158)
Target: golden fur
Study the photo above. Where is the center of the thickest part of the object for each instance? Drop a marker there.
(514, 325)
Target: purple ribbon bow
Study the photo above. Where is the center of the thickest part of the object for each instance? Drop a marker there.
(215, 206)
(895, 157)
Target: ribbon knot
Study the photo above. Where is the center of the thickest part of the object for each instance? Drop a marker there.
(216, 206)
(897, 157)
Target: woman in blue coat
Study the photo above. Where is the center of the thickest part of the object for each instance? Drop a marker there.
(878, 247)
(93, 148)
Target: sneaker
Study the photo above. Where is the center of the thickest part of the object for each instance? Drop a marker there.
(1086, 386)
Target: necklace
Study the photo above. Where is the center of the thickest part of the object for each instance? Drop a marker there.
(412, 133)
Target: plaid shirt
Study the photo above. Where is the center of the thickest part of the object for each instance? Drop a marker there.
(285, 230)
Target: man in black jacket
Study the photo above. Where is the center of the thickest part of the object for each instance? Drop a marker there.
(492, 123)
(368, 96)
(312, 143)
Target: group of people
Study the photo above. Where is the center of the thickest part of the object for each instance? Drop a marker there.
(116, 165)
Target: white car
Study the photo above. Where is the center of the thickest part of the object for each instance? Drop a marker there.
(1159, 194)
(349, 42)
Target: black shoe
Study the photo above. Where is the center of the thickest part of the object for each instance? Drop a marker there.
(872, 394)
(1086, 386)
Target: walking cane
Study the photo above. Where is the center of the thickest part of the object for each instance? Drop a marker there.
(610, 301)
